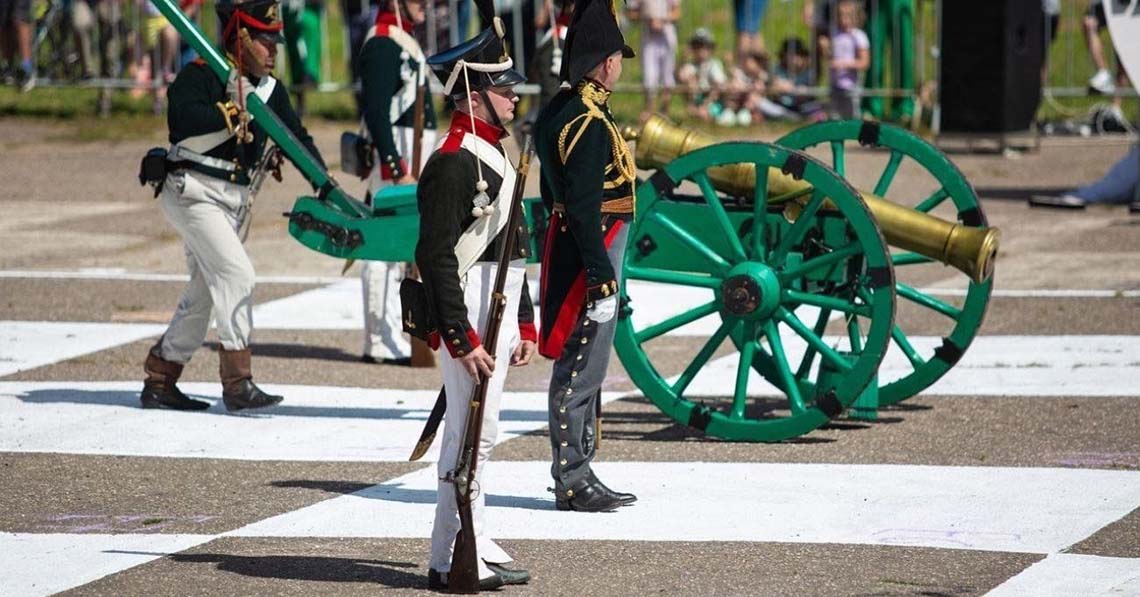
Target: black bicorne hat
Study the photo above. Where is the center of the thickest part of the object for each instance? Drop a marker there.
(593, 35)
(261, 18)
(488, 65)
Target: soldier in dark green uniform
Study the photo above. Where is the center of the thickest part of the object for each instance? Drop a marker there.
(205, 196)
(588, 177)
(392, 68)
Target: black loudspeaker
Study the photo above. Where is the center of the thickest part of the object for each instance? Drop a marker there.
(992, 52)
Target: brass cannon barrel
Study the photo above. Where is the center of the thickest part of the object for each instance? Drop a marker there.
(971, 250)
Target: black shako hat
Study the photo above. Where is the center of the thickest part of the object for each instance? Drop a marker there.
(488, 65)
(593, 35)
(261, 18)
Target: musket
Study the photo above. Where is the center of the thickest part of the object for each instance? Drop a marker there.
(464, 574)
(270, 162)
(418, 125)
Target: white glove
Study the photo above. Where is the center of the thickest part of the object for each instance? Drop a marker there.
(232, 87)
(603, 310)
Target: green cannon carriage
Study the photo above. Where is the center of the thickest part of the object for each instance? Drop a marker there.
(796, 276)
(781, 250)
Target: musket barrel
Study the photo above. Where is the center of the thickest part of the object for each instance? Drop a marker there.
(971, 250)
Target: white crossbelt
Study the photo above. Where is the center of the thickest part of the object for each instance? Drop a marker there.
(179, 153)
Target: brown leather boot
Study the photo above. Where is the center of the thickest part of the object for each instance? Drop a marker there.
(238, 390)
(159, 390)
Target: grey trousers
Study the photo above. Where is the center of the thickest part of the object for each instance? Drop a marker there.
(207, 212)
(576, 389)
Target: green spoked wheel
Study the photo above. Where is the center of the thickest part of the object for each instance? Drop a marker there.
(760, 271)
(920, 358)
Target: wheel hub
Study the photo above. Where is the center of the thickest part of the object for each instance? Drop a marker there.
(751, 291)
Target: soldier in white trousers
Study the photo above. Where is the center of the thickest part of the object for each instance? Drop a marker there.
(464, 197)
(391, 69)
(206, 197)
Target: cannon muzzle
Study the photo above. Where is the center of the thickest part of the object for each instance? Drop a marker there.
(971, 250)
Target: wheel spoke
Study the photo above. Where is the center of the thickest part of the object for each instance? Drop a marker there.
(760, 215)
(635, 272)
(838, 158)
(743, 368)
(854, 334)
(888, 174)
(928, 301)
(933, 201)
(907, 348)
(809, 353)
(812, 339)
(822, 261)
(797, 230)
(702, 357)
(676, 321)
(898, 259)
(827, 302)
(713, 200)
(693, 242)
(791, 386)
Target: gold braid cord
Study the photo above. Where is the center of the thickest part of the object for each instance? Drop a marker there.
(593, 97)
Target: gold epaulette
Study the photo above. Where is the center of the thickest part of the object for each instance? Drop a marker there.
(593, 96)
(583, 120)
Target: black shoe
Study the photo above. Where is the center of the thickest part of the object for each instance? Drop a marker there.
(248, 395)
(174, 399)
(589, 498)
(510, 577)
(1134, 207)
(626, 498)
(437, 581)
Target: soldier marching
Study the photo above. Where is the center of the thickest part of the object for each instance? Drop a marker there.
(204, 180)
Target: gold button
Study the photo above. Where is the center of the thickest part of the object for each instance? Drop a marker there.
(569, 493)
(233, 177)
(603, 227)
(563, 426)
(564, 444)
(569, 391)
(579, 358)
(564, 228)
(585, 340)
(455, 342)
(451, 330)
(520, 229)
(586, 323)
(459, 352)
(573, 374)
(561, 409)
(562, 462)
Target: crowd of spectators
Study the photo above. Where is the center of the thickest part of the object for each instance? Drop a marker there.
(737, 83)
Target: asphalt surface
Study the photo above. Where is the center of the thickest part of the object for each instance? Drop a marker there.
(97, 217)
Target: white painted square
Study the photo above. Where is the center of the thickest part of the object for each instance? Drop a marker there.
(29, 344)
(1066, 574)
(315, 423)
(35, 564)
(1031, 510)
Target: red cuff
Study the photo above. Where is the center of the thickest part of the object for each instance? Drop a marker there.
(433, 341)
(527, 331)
(457, 350)
(387, 173)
